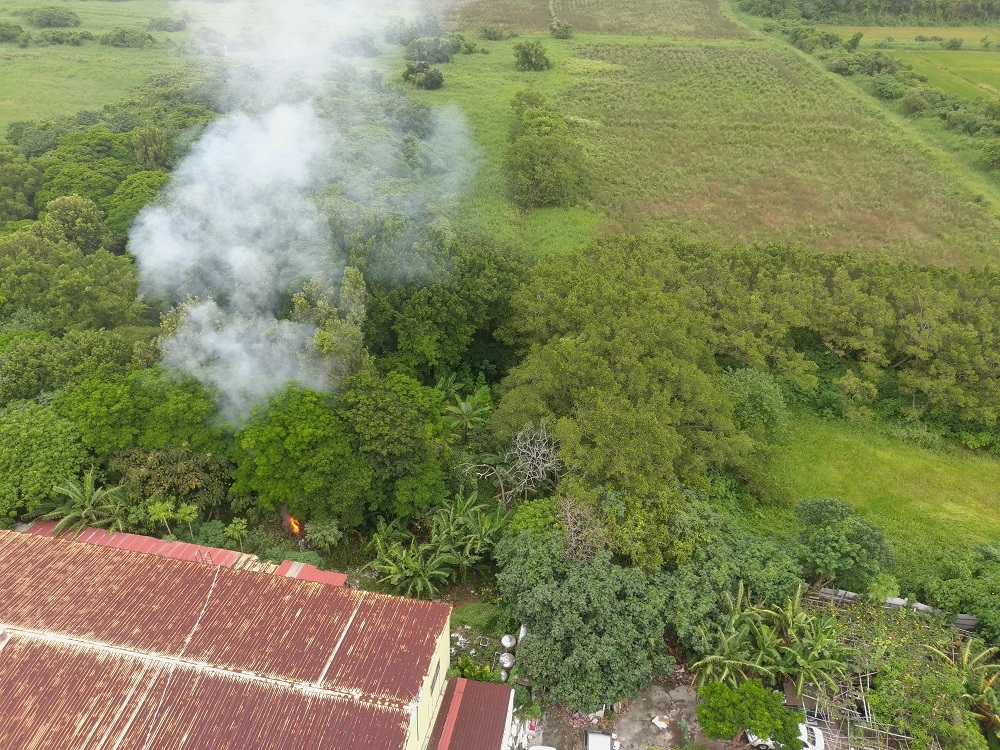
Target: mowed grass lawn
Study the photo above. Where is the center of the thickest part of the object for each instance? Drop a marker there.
(927, 500)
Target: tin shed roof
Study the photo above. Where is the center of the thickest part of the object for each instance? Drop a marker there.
(113, 649)
(225, 558)
(473, 716)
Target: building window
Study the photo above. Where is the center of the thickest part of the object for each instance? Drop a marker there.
(434, 679)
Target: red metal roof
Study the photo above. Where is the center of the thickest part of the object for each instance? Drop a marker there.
(232, 657)
(74, 698)
(226, 558)
(473, 716)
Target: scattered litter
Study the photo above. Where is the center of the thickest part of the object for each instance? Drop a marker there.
(661, 722)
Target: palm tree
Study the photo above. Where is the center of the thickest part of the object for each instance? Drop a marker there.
(464, 416)
(86, 505)
(979, 675)
(414, 571)
(237, 529)
(732, 660)
(813, 656)
(467, 530)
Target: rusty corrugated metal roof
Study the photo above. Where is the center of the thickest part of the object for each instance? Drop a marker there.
(191, 552)
(473, 716)
(227, 652)
(75, 698)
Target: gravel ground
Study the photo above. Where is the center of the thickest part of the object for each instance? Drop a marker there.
(634, 727)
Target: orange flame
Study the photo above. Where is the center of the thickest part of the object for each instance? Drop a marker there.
(296, 526)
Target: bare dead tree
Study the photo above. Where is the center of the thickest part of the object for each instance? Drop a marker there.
(585, 536)
(531, 463)
(533, 459)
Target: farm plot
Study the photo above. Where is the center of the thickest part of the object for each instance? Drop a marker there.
(907, 35)
(966, 73)
(750, 142)
(686, 18)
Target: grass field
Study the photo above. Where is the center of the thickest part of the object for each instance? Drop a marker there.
(927, 500)
(686, 18)
(728, 140)
(41, 82)
(970, 72)
(966, 73)
(482, 86)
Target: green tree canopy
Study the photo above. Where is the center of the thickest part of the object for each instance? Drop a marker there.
(725, 712)
(131, 196)
(38, 450)
(837, 544)
(395, 421)
(620, 365)
(297, 451)
(33, 362)
(77, 221)
(150, 409)
(71, 289)
(595, 631)
(18, 183)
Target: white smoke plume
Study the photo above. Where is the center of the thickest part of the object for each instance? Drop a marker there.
(236, 230)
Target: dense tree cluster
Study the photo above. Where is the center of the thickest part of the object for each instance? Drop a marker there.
(542, 164)
(880, 12)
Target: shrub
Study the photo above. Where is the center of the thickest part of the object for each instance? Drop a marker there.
(991, 153)
(561, 30)
(52, 17)
(921, 38)
(886, 86)
(496, 33)
(400, 31)
(62, 36)
(423, 76)
(953, 43)
(531, 56)
(167, 24)
(10, 32)
(433, 49)
(914, 102)
(128, 37)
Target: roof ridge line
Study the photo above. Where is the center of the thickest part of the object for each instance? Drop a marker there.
(301, 686)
